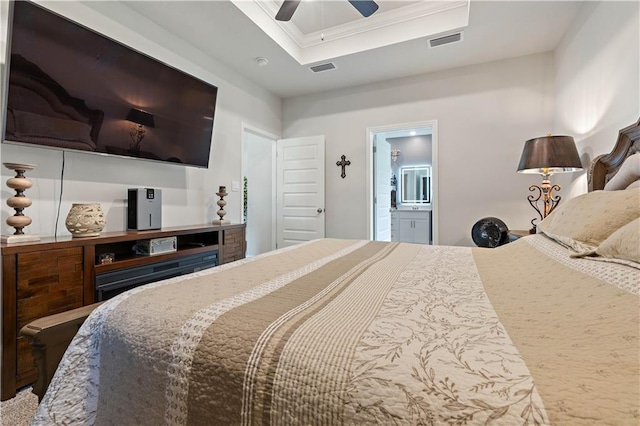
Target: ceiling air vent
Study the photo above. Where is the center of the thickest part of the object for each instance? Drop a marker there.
(323, 67)
(451, 38)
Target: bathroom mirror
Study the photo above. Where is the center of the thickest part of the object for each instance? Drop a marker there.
(416, 184)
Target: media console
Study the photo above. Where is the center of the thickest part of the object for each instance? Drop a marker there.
(56, 275)
(110, 284)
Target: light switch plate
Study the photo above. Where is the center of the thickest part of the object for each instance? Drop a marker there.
(235, 185)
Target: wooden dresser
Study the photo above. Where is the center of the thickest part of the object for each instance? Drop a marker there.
(55, 275)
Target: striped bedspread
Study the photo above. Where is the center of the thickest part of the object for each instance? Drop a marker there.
(359, 332)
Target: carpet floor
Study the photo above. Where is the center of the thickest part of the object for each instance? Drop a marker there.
(19, 410)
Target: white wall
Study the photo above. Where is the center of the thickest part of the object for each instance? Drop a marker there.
(597, 67)
(485, 113)
(414, 151)
(188, 193)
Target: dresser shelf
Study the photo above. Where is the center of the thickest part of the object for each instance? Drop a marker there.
(55, 275)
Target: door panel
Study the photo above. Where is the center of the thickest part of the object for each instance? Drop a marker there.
(421, 231)
(300, 183)
(300, 200)
(259, 170)
(300, 177)
(406, 230)
(382, 184)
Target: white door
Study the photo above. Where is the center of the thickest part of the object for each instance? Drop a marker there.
(300, 187)
(259, 167)
(406, 230)
(421, 230)
(382, 185)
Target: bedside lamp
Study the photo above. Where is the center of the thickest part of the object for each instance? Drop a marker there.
(545, 156)
(137, 133)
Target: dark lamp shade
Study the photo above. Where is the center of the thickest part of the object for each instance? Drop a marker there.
(140, 117)
(548, 155)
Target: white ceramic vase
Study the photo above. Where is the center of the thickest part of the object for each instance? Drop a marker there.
(85, 220)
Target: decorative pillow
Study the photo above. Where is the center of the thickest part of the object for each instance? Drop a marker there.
(30, 124)
(628, 173)
(623, 244)
(583, 222)
(634, 185)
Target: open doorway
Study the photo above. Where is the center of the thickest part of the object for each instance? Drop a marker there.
(259, 189)
(402, 175)
(283, 184)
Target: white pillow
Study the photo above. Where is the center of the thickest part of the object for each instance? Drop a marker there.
(634, 185)
(585, 221)
(623, 244)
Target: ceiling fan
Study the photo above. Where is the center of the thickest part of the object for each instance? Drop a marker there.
(365, 7)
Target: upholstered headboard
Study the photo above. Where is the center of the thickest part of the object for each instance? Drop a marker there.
(41, 111)
(604, 167)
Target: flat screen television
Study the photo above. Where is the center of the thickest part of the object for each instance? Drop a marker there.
(71, 88)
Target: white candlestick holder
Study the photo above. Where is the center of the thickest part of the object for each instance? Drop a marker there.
(222, 192)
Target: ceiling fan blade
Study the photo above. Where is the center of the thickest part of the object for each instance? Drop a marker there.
(365, 7)
(287, 9)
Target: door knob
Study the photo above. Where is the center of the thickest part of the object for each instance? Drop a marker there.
(320, 210)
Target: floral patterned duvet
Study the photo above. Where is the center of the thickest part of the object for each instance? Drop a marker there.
(359, 332)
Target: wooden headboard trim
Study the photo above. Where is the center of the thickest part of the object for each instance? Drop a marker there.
(603, 167)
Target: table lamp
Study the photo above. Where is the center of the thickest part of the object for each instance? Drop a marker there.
(545, 156)
(137, 133)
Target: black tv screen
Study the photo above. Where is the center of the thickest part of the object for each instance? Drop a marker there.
(72, 88)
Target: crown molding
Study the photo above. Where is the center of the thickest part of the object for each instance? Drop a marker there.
(423, 19)
(393, 17)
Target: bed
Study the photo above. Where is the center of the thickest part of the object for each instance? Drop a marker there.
(41, 112)
(543, 330)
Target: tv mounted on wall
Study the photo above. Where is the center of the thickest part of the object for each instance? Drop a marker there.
(72, 88)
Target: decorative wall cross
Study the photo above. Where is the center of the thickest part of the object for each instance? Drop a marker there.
(343, 163)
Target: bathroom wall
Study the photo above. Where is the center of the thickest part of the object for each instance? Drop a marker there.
(414, 151)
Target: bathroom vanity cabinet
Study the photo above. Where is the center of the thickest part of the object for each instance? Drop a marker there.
(411, 226)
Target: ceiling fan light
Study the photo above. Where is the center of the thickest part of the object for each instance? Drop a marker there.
(288, 8)
(365, 7)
